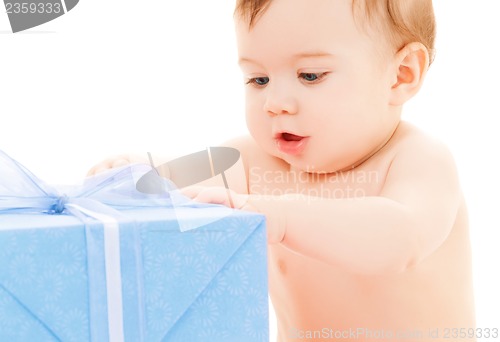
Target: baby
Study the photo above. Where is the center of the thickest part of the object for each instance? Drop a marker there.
(367, 227)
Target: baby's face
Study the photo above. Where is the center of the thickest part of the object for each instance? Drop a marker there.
(317, 92)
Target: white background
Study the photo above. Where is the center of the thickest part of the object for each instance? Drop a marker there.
(117, 76)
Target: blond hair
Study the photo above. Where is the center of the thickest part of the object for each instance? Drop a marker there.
(403, 21)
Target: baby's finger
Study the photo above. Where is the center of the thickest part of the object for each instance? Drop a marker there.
(110, 163)
(215, 195)
(191, 191)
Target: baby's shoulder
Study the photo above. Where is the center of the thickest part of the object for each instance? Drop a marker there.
(415, 151)
(411, 139)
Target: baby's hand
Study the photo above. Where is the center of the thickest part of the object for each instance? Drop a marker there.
(116, 161)
(276, 225)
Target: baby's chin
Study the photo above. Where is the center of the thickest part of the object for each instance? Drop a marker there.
(303, 165)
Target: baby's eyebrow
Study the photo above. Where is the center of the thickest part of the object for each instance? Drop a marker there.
(302, 55)
(312, 54)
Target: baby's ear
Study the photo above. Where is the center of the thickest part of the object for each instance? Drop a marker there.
(411, 63)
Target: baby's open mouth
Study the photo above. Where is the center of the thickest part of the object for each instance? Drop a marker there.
(291, 137)
(290, 143)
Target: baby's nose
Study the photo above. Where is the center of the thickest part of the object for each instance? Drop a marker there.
(280, 101)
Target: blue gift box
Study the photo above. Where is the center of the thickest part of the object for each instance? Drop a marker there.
(106, 263)
(206, 284)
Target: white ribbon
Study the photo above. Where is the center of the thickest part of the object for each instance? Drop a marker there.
(113, 272)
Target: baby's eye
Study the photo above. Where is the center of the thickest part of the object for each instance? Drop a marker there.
(312, 77)
(259, 81)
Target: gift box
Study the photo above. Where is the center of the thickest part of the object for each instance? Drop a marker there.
(78, 271)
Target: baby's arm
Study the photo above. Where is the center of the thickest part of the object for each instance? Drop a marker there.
(411, 218)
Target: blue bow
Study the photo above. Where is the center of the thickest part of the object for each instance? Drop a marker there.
(22, 192)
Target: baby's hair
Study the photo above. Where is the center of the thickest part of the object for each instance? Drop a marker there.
(404, 21)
